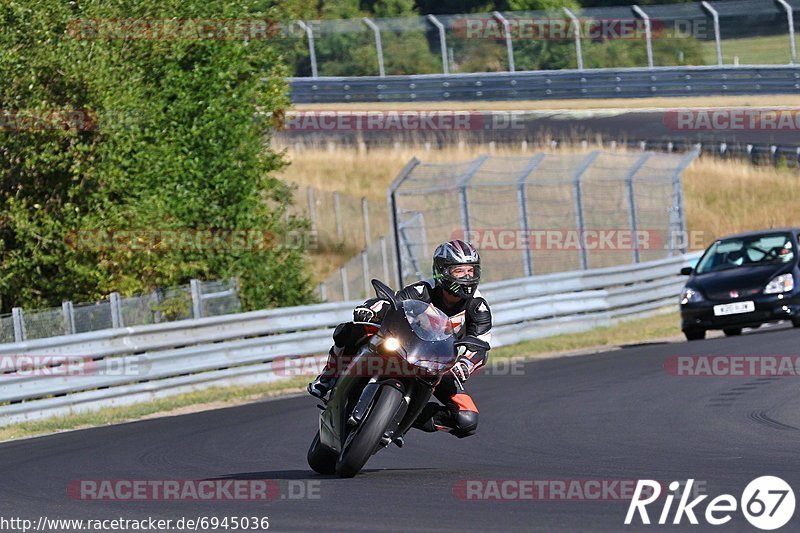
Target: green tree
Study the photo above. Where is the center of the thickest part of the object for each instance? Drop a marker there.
(175, 147)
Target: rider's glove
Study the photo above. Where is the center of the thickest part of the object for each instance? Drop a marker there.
(462, 370)
(365, 314)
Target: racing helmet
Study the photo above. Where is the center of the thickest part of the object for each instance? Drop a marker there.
(450, 255)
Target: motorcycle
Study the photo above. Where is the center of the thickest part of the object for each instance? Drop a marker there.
(383, 389)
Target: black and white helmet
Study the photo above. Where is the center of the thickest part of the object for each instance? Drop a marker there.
(452, 254)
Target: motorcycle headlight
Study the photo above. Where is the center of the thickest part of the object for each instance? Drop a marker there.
(779, 284)
(391, 344)
(689, 295)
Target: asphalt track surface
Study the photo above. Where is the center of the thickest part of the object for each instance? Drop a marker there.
(610, 124)
(614, 415)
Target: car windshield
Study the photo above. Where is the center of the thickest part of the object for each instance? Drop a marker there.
(725, 254)
(427, 321)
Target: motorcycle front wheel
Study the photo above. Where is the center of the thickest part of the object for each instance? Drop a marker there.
(365, 438)
(321, 459)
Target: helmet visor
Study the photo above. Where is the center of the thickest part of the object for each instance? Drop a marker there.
(463, 272)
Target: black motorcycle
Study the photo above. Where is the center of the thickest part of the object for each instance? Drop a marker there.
(384, 387)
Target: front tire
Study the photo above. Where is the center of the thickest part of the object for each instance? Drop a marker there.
(321, 459)
(732, 332)
(796, 322)
(694, 334)
(367, 436)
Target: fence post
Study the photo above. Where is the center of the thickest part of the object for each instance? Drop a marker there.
(577, 28)
(647, 33)
(715, 17)
(338, 212)
(384, 259)
(632, 203)
(365, 272)
(116, 310)
(312, 53)
(576, 179)
(311, 216)
(463, 183)
(442, 43)
(69, 318)
(378, 46)
(19, 324)
(197, 299)
(790, 18)
(345, 286)
(523, 207)
(365, 214)
(394, 227)
(509, 46)
(323, 296)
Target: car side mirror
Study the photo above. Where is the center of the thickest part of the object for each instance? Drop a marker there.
(687, 271)
(472, 344)
(385, 292)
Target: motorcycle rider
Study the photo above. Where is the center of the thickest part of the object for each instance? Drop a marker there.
(454, 291)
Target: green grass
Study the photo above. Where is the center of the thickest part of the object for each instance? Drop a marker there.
(772, 50)
(659, 326)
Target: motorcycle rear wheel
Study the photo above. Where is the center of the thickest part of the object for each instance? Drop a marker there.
(368, 434)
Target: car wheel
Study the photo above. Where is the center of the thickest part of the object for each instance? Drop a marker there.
(732, 332)
(796, 322)
(694, 334)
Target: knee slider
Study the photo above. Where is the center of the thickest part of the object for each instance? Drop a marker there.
(466, 423)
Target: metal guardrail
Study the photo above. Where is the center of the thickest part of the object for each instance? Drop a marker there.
(537, 85)
(135, 364)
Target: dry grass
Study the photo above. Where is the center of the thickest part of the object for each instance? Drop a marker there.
(721, 197)
(627, 103)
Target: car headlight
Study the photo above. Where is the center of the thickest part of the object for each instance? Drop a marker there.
(779, 284)
(689, 295)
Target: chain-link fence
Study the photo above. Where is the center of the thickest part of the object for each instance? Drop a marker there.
(196, 300)
(339, 221)
(527, 215)
(730, 32)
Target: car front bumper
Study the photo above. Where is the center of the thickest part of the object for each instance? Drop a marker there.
(768, 308)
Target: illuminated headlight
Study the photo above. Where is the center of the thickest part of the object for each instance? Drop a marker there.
(779, 284)
(689, 295)
(391, 344)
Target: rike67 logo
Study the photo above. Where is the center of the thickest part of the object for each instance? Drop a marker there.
(767, 503)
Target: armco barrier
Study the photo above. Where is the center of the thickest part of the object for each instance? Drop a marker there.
(167, 359)
(553, 84)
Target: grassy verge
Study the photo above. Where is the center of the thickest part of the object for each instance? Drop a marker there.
(656, 327)
(771, 50)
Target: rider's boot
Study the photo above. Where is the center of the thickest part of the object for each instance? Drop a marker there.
(326, 381)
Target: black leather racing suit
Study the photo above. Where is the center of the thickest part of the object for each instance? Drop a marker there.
(471, 316)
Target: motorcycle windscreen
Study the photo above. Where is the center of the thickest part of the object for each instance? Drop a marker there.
(429, 344)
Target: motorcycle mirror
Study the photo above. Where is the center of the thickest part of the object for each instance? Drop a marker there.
(385, 292)
(686, 271)
(472, 344)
